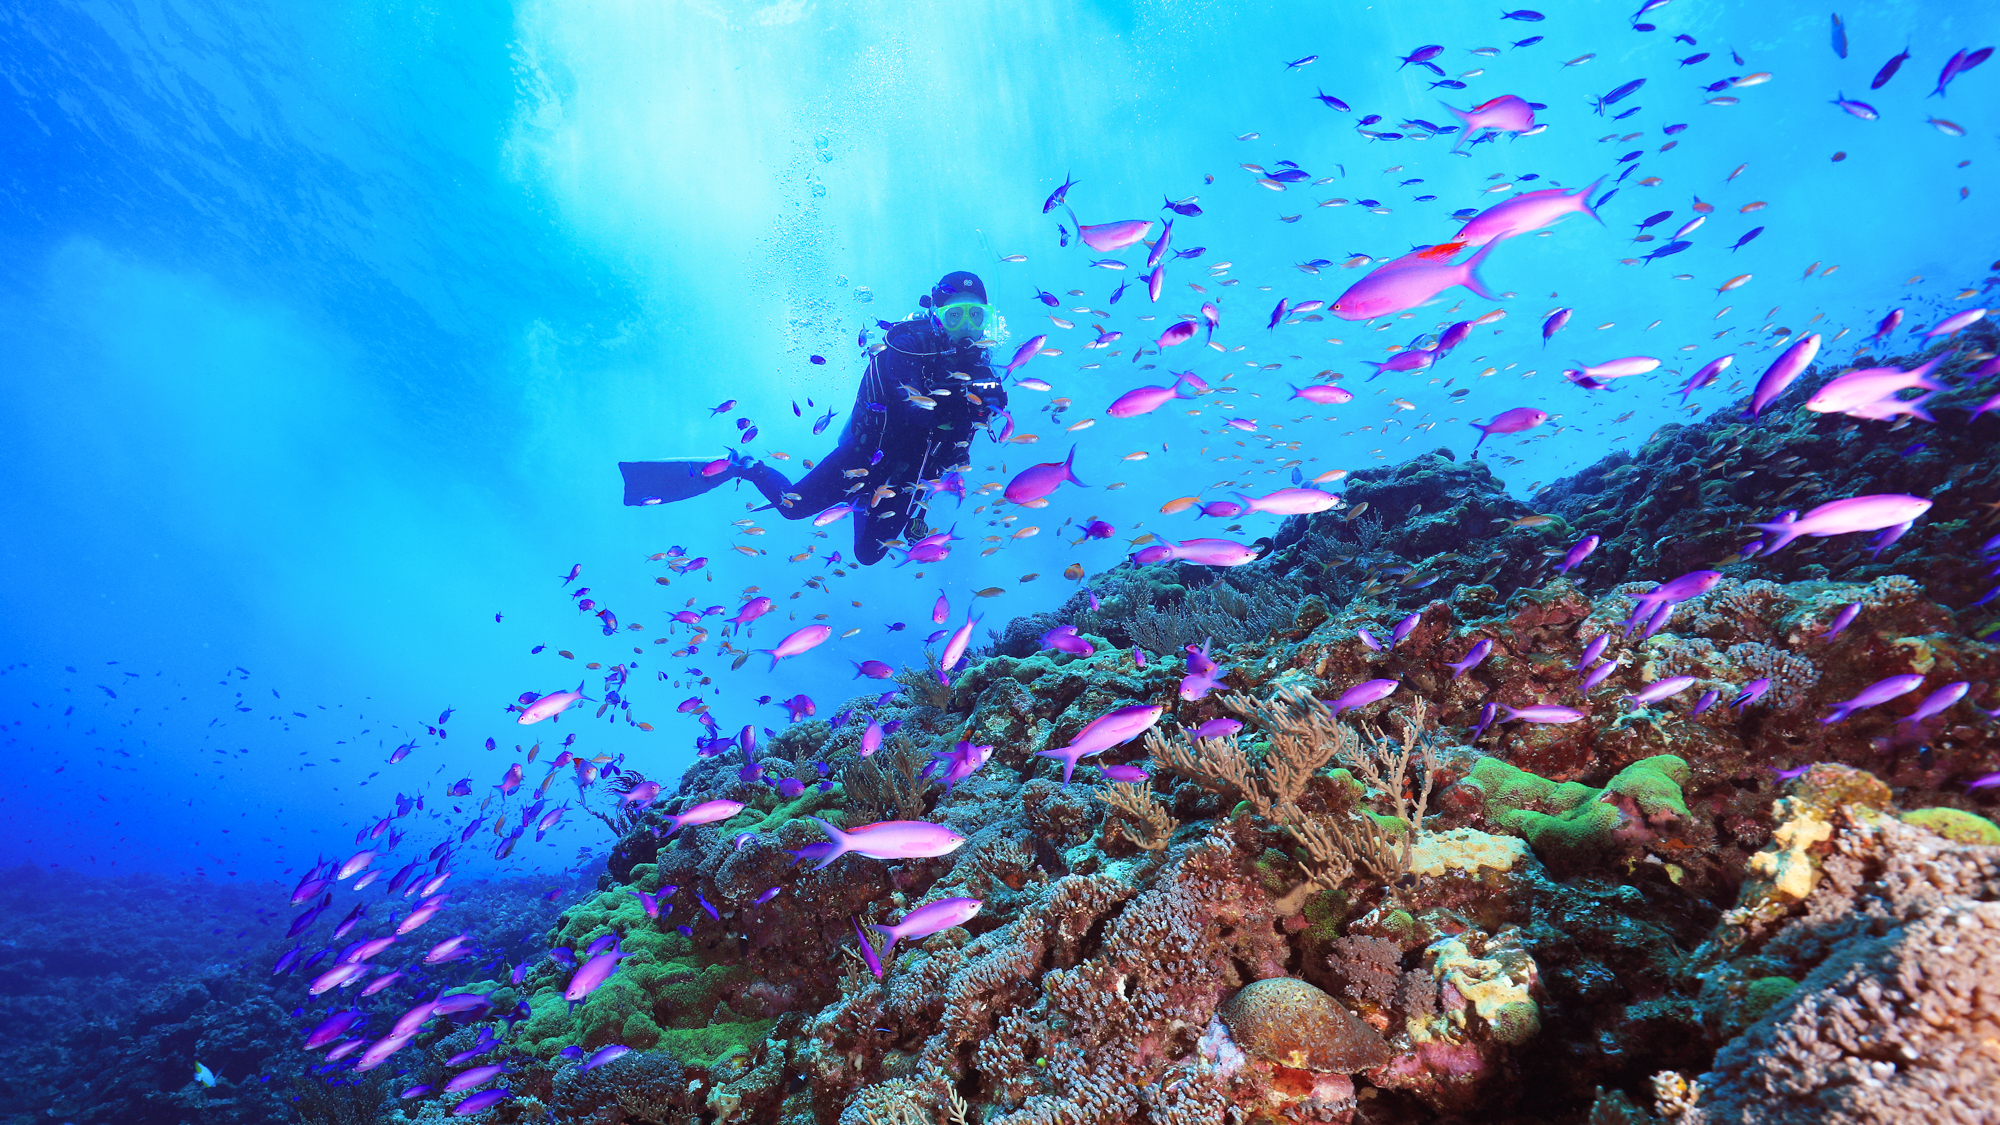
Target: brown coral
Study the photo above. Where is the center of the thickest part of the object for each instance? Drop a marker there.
(1291, 1023)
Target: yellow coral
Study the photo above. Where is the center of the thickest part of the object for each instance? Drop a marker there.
(1785, 868)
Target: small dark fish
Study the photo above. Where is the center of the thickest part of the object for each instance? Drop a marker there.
(1631, 156)
(1839, 36)
(1889, 69)
(749, 435)
(1628, 113)
(1659, 217)
(1673, 129)
(1297, 63)
(1722, 84)
(1062, 235)
(1685, 38)
(1385, 136)
(1048, 298)
(1191, 252)
(1423, 54)
(1291, 176)
(1187, 210)
(1620, 94)
(1693, 59)
(1120, 291)
(1370, 119)
(1530, 41)
(1603, 199)
(1331, 102)
(1741, 242)
(723, 409)
(1055, 199)
(824, 421)
(1738, 58)
(1448, 83)
(1524, 15)
(1669, 248)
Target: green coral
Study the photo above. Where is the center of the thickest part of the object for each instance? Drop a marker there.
(1955, 824)
(1571, 824)
(1764, 994)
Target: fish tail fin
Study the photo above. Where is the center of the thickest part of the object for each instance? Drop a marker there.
(1916, 408)
(1783, 534)
(1470, 270)
(1583, 200)
(1840, 711)
(888, 932)
(1249, 504)
(840, 840)
(1484, 433)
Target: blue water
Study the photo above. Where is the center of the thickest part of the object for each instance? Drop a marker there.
(325, 325)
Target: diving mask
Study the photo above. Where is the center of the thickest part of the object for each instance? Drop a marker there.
(965, 318)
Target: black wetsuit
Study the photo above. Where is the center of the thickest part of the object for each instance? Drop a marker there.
(914, 443)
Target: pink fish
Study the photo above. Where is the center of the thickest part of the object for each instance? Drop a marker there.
(1037, 481)
(1504, 114)
(1362, 694)
(479, 1102)
(1216, 728)
(1132, 774)
(1409, 359)
(1211, 316)
(1180, 332)
(1616, 368)
(1838, 517)
(1104, 732)
(928, 919)
(719, 465)
(889, 839)
(941, 609)
(1869, 385)
(1154, 280)
(511, 780)
(751, 611)
(1213, 552)
(1145, 400)
(477, 1076)
(379, 1051)
(1707, 375)
(332, 1028)
(1478, 653)
(1654, 692)
(335, 977)
(1025, 352)
(1064, 638)
(1159, 251)
(550, 705)
(450, 949)
(1510, 422)
(1387, 290)
(1936, 703)
(1540, 713)
(1110, 237)
(871, 739)
(1530, 211)
(1782, 374)
(1290, 502)
(1325, 394)
(797, 642)
(1953, 324)
(1992, 403)
(591, 976)
(354, 863)
(708, 812)
(954, 648)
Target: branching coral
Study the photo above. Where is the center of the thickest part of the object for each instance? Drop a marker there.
(1305, 738)
(927, 686)
(1223, 612)
(889, 785)
(1151, 827)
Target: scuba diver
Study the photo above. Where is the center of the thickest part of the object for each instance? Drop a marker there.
(925, 391)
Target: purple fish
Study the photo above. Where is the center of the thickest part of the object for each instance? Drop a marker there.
(1782, 374)
(1487, 711)
(1578, 553)
(1838, 517)
(1064, 638)
(591, 976)
(1751, 693)
(1037, 481)
(1368, 638)
(868, 954)
(1706, 701)
(928, 919)
(708, 812)
(1707, 375)
(1554, 324)
(1936, 703)
(332, 1028)
(603, 1055)
(1841, 620)
(1124, 773)
(1510, 422)
(1592, 651)
(1672, 592)
(477, 1076)
(1479, 652)
(1202, 674)
(478, 1102)
(1404, 628)
(1881, 691)
(1362, 694)
(1595, 676)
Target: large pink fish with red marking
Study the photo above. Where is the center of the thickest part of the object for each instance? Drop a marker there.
(549, 706)
(1403, 285)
